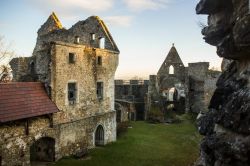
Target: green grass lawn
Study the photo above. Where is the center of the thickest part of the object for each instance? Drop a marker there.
(146, 144)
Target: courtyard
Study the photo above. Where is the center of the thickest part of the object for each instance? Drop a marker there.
(146, 144)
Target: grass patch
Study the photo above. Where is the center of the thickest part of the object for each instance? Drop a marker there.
(146, 145)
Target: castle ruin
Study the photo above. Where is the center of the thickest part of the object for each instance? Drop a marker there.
(63, 99)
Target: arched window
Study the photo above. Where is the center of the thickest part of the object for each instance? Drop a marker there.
(171, 69)
(99, 136)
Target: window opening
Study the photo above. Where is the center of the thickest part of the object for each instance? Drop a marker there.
(99, 60)
(171, 70)
(102, 42)
(99, 90)
(71, 58)
(72, 93)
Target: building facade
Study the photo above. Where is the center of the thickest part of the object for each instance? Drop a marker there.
(76, 67)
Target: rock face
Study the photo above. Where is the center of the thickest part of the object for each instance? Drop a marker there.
(227, 124)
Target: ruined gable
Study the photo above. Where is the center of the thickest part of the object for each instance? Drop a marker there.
(91, 31)
(172, 71)
(52, 23)
(173, 59)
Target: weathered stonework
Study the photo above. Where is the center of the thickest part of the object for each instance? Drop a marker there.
(62, 57)
(226, 126)
(132, 96)
(193, 85)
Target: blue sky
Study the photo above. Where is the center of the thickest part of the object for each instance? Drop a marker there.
(144, 30)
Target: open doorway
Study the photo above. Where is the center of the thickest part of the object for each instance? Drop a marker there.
(99, 136)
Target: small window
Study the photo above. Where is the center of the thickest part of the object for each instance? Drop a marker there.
(102, 42)
(92, 36)
(71, 58)
(77, 39)
(171, 69)
(99, 60)
(32, 68)
(99, 90)
(72, 93)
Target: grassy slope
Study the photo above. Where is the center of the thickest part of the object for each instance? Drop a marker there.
(147, 145)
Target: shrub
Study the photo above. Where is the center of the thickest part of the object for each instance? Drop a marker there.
(155, 115)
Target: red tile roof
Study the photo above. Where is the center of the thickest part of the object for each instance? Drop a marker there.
(20, 100)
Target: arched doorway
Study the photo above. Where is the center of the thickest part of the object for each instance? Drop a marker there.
(99, 136)
(43, 150)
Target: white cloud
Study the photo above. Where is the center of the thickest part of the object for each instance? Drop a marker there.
(123, 21)
(71, 6)
(90, 5)
(139, 5)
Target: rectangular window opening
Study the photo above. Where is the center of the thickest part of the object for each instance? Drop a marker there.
(92, 36)
(72, 93)
(99, 90)
(26, 127)
(99, 60)
(71, 58)
(102, 42)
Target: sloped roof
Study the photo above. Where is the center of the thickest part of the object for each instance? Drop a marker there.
(21, 100)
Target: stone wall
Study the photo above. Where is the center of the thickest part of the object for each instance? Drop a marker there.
(69, 137)
(85, 74)
(133, 91)
(21, 69)
(75, 124)
(196, 80)
(210, 86)
(197, 75)
(15, 142)
(128, 108)
(122, 112)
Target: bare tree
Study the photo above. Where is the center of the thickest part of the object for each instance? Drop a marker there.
(6, 54)
(5, 73)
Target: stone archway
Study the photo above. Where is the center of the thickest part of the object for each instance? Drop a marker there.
(99, 136)
(43, 150)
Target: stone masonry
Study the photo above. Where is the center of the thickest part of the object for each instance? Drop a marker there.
(77, 68)
(189, 89)
(226, 126)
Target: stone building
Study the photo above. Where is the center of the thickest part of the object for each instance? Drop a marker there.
(131, 96)
(76, 66)
(187, 89)
(171, 72)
